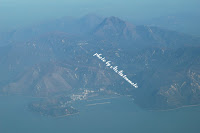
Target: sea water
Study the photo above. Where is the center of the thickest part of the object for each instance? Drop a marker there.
(116, 115)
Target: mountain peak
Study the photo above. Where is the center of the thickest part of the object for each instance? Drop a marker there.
(113, 21)
(115, 28)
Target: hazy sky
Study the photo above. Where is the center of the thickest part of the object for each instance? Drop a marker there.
(15, 13)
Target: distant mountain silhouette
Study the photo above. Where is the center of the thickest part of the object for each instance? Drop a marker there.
(115, 28)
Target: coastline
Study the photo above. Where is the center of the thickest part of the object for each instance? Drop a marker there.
(184, 106)
(66, 115)
(98, 104)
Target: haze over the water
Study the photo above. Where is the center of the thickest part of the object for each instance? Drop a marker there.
(18, 13)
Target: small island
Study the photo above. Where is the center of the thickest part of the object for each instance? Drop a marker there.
(55, 107)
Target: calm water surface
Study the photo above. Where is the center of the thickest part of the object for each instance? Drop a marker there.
(119, 115)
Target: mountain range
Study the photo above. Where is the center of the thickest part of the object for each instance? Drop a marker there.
(56, 57)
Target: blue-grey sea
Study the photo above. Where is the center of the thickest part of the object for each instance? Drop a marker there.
(118, 115)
